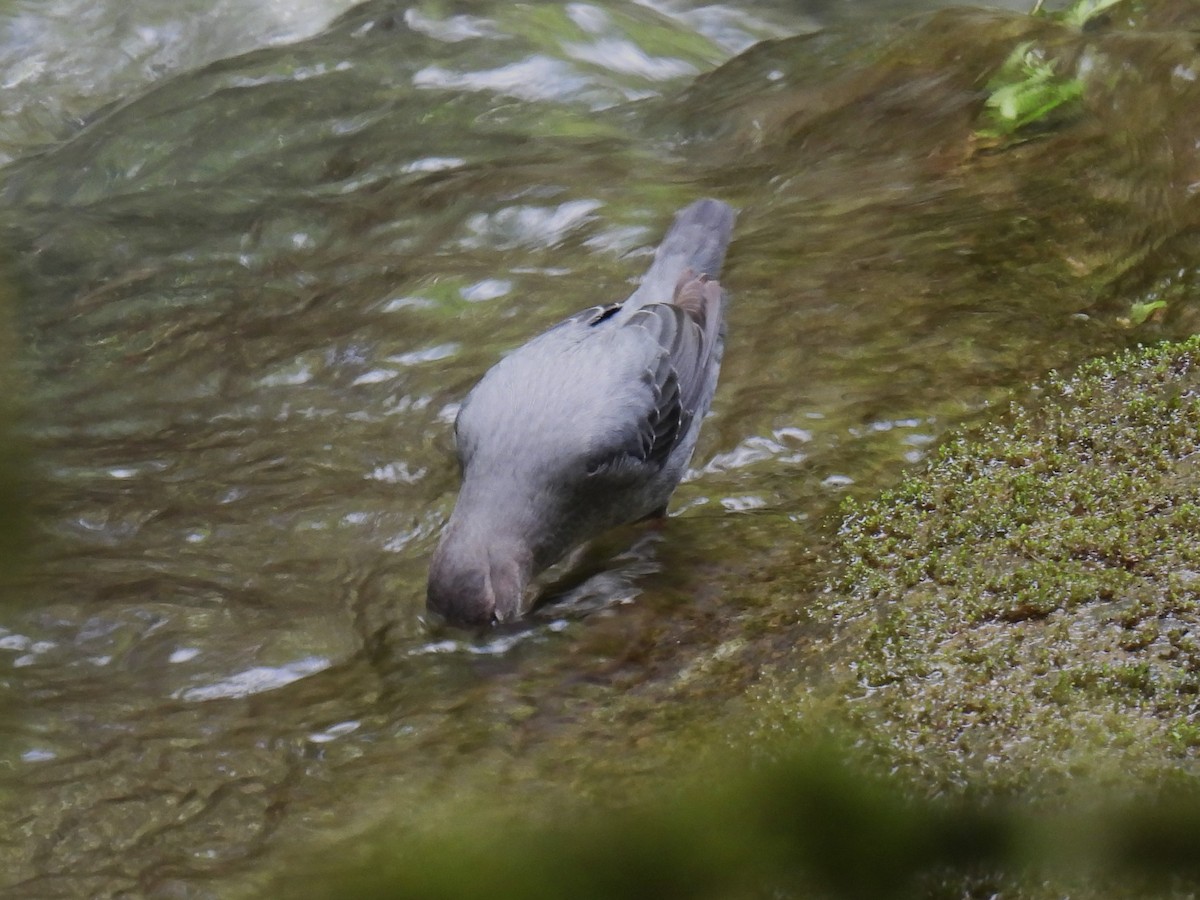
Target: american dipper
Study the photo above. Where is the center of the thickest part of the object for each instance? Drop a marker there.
(587, 426)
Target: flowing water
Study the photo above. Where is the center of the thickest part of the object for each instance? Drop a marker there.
(253, 288)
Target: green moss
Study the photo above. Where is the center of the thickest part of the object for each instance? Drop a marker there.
(1031, 600)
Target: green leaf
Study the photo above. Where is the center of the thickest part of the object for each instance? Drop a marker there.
(1082, 11)
(1140, 312)
(1025, 90)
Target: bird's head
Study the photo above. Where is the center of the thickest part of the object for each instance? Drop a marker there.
(478, 582)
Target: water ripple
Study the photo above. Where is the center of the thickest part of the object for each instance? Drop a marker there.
(537, 78)
(450, 30)
(256, 680)
(529, 226)
(626, 57)
(781, 447)
(488, 289)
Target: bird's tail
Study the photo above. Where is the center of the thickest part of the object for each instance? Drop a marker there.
(697, 240)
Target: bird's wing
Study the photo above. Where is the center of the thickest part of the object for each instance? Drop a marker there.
(679, 375)
(690, 332)
(651, 421)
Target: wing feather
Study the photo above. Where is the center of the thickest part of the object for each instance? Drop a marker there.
(687, 332)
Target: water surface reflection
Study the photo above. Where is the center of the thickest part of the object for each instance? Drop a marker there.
(255, 295)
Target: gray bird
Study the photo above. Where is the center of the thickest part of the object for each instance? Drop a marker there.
(588, 426)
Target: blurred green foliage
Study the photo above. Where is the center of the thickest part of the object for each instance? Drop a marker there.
(804, 824)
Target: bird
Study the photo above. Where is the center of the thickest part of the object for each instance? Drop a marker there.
(587, 426)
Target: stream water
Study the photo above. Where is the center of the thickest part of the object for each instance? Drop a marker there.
(252, 289)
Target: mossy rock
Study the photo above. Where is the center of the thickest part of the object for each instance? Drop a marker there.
(1028, 606)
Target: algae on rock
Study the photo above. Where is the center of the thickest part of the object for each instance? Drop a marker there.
(1029, 605)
